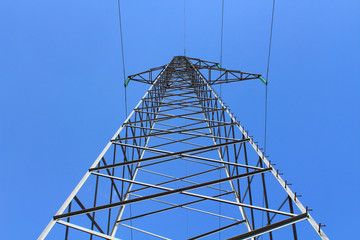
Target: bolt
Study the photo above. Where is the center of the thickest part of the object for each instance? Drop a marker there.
(321, 225)
(297, 196)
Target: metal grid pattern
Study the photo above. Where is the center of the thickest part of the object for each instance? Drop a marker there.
(182, 162)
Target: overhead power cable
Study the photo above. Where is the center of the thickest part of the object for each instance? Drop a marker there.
(125, 95)
(267, 72)
(122, 53)
(222, 33)
(266, 94)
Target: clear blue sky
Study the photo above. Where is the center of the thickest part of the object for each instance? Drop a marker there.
(61, 93)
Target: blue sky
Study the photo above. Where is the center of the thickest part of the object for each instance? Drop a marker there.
(62, 97)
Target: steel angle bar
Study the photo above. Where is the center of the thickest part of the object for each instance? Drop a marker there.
(180, 206)
(177, 95)
(198, 62)
(186, 131)
(173, 207)
(178, 141)
(159, 162)
(271, 227)
(217, 230)
(216, 199)
(174, 105)
(167, 154)
(179, 157)
(92, 232)
(197, 119)
(88, 215)
(184, 151)
(279, 208)
(169, 191)
(143, 231)
(176, 116)
(219, 161)
(180, 179)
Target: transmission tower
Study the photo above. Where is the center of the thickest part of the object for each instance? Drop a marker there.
(182, 167)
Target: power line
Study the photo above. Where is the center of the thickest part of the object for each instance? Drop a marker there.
(267, 72)
(125, 95)
(122, 53)
(222, 33)
(266, 94)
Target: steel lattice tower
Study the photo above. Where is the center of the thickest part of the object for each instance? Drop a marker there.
(181, 166)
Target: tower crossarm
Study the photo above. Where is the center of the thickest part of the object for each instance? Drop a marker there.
(215, 74)
(148, 76)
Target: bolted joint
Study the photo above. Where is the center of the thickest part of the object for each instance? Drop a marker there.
(321, 225)
(296, 195)
(272, 164)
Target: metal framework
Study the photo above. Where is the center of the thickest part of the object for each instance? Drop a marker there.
(181, 166)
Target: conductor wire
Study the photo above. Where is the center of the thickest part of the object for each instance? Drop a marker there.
(266, 96)
(125, 95)
(221, 41)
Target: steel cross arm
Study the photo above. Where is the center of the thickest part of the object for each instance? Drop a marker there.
(168, 154)
(169, 191)
(174, 179)
(172, 141)
(180, 104)
(209, 198)
(165, 132)
(139, 78)
(190, 156)
(185, 89)
(167, 104)
(180, 94)
(174, 206)
(184, 140)
(168, 118)
(169, 94)
(206, 63)
(271, 227)
(171, 100)
(191, 118)
(184, 130)
(228, 76)
(175, 158)
(195, 119)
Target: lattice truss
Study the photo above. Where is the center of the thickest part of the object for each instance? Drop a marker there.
(182, 167)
